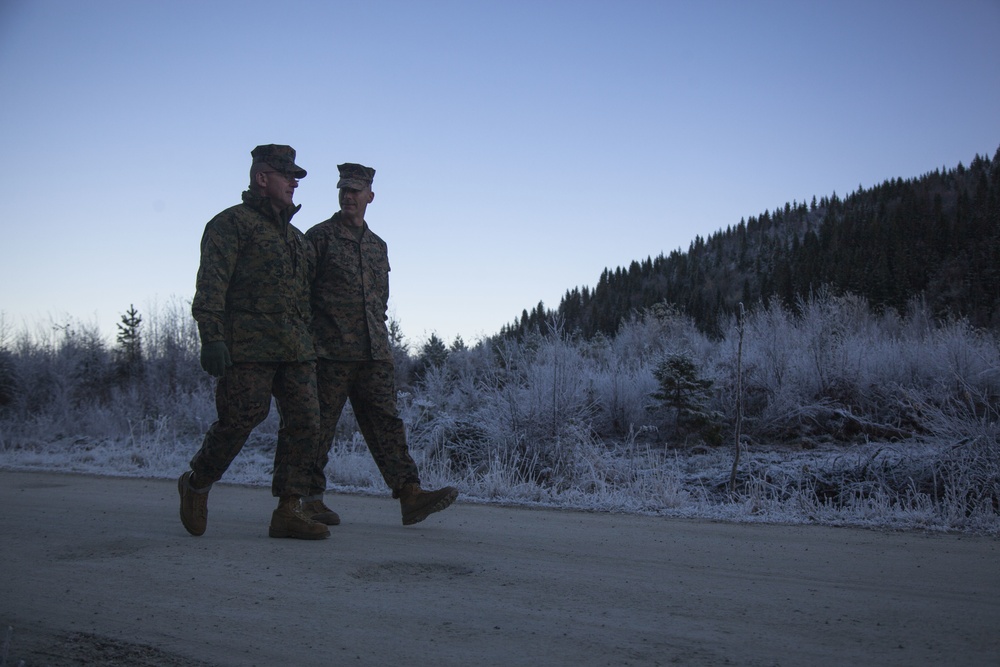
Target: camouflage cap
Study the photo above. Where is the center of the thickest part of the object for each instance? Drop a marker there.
(355, 176)
(278, 157)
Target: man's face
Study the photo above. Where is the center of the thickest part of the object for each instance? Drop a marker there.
(279, 188)
(354, 203)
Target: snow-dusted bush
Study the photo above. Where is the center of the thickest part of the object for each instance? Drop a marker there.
(836, 372)
(848, 415)
(69, 382)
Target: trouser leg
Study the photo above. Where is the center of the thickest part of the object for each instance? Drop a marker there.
(242, 400)
(333, 379)
(373, 399)
(298, 447)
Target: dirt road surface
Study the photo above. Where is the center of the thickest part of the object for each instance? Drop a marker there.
(99, 571)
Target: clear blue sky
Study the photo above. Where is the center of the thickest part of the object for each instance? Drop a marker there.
(521, 147)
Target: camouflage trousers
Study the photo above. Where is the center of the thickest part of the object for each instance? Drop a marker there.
(243, 399)
(371, 387)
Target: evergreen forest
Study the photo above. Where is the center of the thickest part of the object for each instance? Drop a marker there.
(935, 237)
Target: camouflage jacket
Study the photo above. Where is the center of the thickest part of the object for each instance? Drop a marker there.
(253, 283)
(350, 293)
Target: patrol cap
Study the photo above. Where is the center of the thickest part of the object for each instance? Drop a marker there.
(355, 176)
(278, 157)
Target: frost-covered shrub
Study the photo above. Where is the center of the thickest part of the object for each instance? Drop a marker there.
(838, 372)
(848, 415)
(662, 329)
(621, 395)
(68, 381)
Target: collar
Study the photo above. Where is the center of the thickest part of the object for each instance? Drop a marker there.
(263, 206)
(342, 228)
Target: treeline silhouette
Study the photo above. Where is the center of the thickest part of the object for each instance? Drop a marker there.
(936, 237)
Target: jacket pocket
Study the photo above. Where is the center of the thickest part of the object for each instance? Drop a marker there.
(256, 323)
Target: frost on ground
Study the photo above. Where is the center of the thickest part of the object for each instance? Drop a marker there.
(888, 486)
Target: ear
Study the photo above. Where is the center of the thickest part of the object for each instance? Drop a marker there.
(371, 196)
(260, 178)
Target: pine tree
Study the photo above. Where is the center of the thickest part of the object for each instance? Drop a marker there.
(433, 354)
(687, 395)
(130, 342)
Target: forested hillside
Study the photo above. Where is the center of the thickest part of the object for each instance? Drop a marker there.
(936, 237)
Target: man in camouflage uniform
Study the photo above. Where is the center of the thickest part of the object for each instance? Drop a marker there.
(349, 302)
(252, 309)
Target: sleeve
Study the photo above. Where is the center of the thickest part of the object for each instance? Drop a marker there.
(316, 249)
(388, 269)
(219, 250)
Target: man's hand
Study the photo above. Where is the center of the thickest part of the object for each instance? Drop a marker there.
(215, 358)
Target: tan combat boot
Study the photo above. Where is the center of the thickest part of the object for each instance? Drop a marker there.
(418, 504)
(314, 508)
(194, 504)
(289, 521)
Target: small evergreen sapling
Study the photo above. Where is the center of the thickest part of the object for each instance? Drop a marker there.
(687, 395)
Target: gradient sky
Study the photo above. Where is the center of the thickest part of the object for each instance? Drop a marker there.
(521, 147)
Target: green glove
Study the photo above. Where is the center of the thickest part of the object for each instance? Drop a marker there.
(215, 358)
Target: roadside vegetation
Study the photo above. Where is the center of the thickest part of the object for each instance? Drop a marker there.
(826, 412)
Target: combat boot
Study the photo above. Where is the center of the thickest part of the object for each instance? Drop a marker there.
(418, 504)
(314, 508)
(194, 505)
(290, 521)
